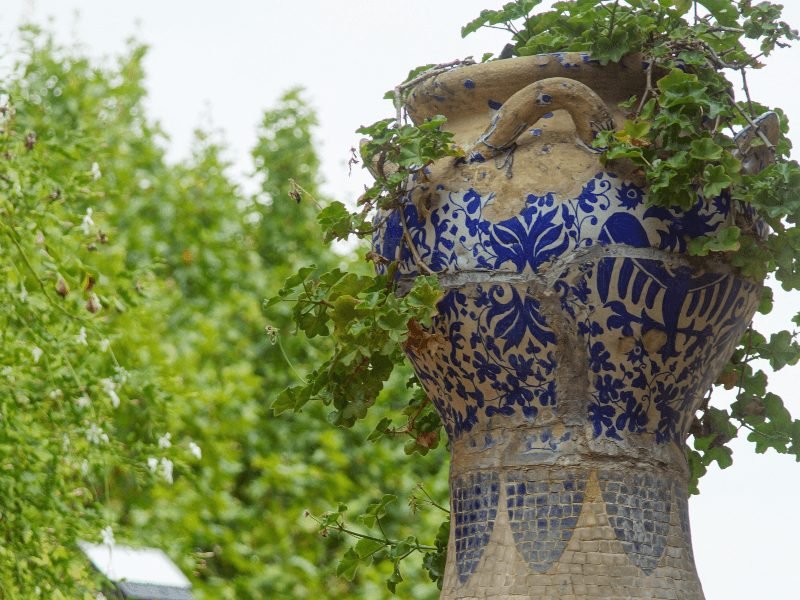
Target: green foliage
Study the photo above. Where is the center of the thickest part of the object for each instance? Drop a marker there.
(373, 546)
(137, 375)
(79, 408)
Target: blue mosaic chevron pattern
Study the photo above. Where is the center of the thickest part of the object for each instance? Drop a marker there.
(543, 515)
(474, 503)
(638, 508)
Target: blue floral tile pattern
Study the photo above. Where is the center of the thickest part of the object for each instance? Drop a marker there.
(505, 366)
(474, 499)
(638, 508)
(543, 515)
(655, 334)
(647, 324)
(457, 235)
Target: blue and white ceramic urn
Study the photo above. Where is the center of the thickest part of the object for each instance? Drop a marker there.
(575, 340)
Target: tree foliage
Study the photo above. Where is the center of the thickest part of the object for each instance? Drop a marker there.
(137, 371)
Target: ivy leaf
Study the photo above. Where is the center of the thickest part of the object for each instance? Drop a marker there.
(348, 565)
(303, 273)
(291, 398)
(509, 12)
(725, 240)
(705, 149)
(377, 510)
(366, 547)
(679, 88)
(717, 180)
(724, 11)
(394, 578)
(782, 350)
(336, 221)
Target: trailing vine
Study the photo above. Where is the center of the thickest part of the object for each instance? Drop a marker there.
(686, 135)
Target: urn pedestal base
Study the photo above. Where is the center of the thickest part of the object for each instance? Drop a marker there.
(596, 529)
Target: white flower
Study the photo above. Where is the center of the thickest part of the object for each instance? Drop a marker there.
(83, 402)
(104, 344)
(23, 293)
(87, 222)
(195, 450)
(164, 440)
(96, 174)
(56, 394)
(152, 464)
(107, 535)
(100, 596)
(166, 469)
(85, 467)
(95, 434)
(37, 354)
(122, 374)
(109, 387)
(81, 337)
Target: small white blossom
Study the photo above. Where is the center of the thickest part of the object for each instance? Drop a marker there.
(95, 434)
(164, 440)
(152, 464)
(56, 394)
(195, 450)
(100, 596)
(122, 374)
(107, 535)
(96, 174)
(37, 354)
(23, 294)
(109, 387)
(104, 344)
(166, 469)
(81, 337)
(83, 402)
(87, 222)
(85, 467)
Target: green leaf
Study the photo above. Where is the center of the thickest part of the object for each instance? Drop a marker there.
(679, 89)
(724, 11)
(366, 547)
(716, 181)
(394, 579)
(509, 12)
(348, 565)
(725, 240)
(377, 510)
(705, 149)
(291, 398)
(335, 220)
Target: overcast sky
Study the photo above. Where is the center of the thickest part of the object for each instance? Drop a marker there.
(221, 64)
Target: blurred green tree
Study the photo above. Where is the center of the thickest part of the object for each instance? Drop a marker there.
(137, 372)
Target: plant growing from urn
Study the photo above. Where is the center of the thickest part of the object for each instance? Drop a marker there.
(570, 243)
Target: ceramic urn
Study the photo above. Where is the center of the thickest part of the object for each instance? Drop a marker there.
(575, 339)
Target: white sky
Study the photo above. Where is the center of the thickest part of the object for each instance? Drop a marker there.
(221, 64)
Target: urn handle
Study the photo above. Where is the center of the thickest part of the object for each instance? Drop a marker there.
(588, 111)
